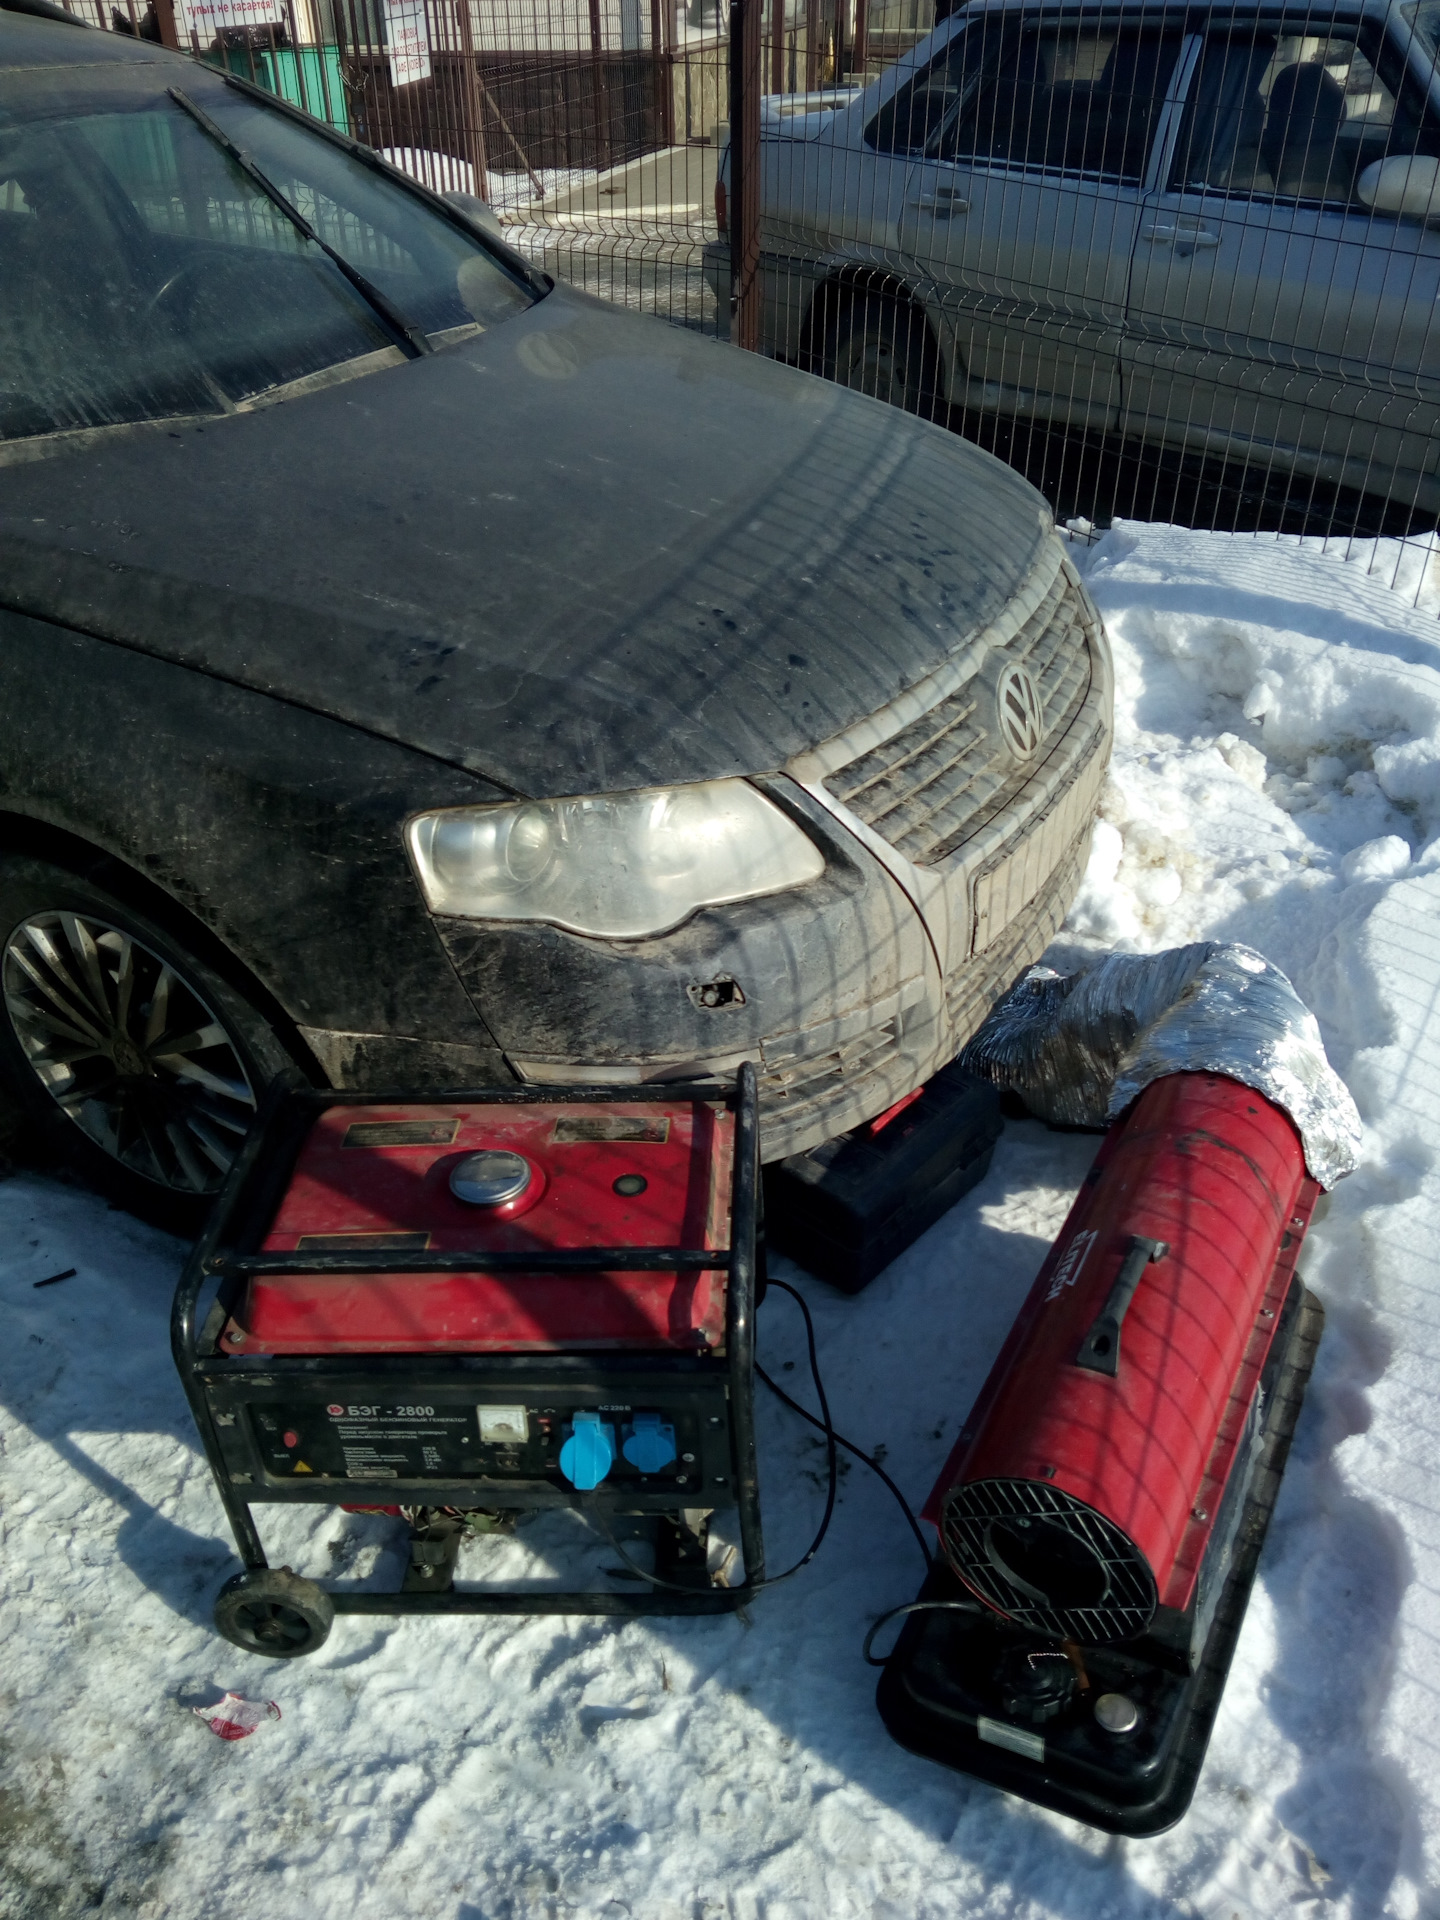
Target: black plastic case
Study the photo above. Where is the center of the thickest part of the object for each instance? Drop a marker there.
(844, 1211)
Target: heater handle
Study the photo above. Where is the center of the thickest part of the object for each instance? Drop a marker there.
(1100, 1349)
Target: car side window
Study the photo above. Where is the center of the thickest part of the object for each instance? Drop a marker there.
(914, 114)
(1085, 99)
(1294, 115)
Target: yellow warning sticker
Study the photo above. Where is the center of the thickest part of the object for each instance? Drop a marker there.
(300, 1467)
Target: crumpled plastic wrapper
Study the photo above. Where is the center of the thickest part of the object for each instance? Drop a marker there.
(235, 1717)
(1079, 1047)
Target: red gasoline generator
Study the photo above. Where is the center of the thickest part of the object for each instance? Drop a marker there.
(1103, 1511)
(464, 1307)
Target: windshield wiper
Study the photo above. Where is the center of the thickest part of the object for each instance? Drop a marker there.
(368, 291)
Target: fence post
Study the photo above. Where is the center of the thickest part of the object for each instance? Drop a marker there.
(745, 85)
(664, 79)
(165, 21)
(472, 102)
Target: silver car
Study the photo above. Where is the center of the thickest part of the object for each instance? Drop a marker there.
(1210, 229)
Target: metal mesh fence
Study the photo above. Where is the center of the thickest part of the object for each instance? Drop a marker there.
(1176, 265)
(1173, 263)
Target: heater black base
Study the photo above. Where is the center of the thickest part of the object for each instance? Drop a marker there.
(940, 1695)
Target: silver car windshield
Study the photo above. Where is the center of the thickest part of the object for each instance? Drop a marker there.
(145, 274)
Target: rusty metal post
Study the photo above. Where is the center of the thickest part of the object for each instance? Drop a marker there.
(745, 85)
(662, 80)
(777, 46)
(600, 91)
(860, 58)
(472, 102)
(165, 21)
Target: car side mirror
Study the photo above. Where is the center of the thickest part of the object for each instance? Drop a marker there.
(1405, 183)
(477, 211)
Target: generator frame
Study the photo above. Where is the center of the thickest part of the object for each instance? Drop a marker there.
(220, 1386)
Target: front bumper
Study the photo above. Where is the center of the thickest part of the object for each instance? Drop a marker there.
(949, 869)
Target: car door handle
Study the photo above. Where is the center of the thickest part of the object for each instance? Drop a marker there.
(942, 204)
(1165, 236)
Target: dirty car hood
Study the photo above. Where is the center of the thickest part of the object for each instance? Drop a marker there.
(583, 552)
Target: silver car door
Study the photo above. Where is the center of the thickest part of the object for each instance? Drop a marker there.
(1275, 317)
(848, 191)
(833, 188)
(1023, 210)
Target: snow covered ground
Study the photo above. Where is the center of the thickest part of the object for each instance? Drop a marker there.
(1276, 780)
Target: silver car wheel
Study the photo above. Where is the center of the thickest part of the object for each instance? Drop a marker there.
(882, 347)
(868, 362)
(128, 1049)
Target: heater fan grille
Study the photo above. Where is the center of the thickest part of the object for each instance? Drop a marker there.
(1048, 1561)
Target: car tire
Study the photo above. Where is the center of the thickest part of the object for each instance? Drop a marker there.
(122, 1053)
(882, 346)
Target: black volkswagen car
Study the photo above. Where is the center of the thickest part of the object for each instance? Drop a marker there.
(424, 675)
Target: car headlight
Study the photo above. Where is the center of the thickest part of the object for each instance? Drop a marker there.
(617, 865)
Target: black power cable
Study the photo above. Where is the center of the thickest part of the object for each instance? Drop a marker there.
(832, 1440)
(915, 1606)
(840, 1440)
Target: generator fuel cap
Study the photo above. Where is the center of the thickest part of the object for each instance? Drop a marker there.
(491, 1177)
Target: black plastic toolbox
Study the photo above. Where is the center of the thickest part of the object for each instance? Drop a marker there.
(845, 1210)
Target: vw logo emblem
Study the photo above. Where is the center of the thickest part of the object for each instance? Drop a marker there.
(1018, 712)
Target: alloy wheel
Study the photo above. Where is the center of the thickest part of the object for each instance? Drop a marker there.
(128, 1048)
(870, 361)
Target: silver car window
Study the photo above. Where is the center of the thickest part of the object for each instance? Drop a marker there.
(912, 117)
(1424, 17)
(1293, 114)
(1081, 98)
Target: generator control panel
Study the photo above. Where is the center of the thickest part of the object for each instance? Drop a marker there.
(666, 1446)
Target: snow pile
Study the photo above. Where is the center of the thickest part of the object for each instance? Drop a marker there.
(1236, 685)
(1277, 782)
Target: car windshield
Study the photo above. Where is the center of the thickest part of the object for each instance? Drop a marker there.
(145, 273)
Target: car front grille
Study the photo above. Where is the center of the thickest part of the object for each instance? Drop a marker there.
(943, 777)
(793, 1089)
(975, 986)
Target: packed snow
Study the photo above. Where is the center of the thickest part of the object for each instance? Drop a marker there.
(1277, 781)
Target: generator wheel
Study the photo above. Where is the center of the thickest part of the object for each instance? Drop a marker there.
(274, 1612)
